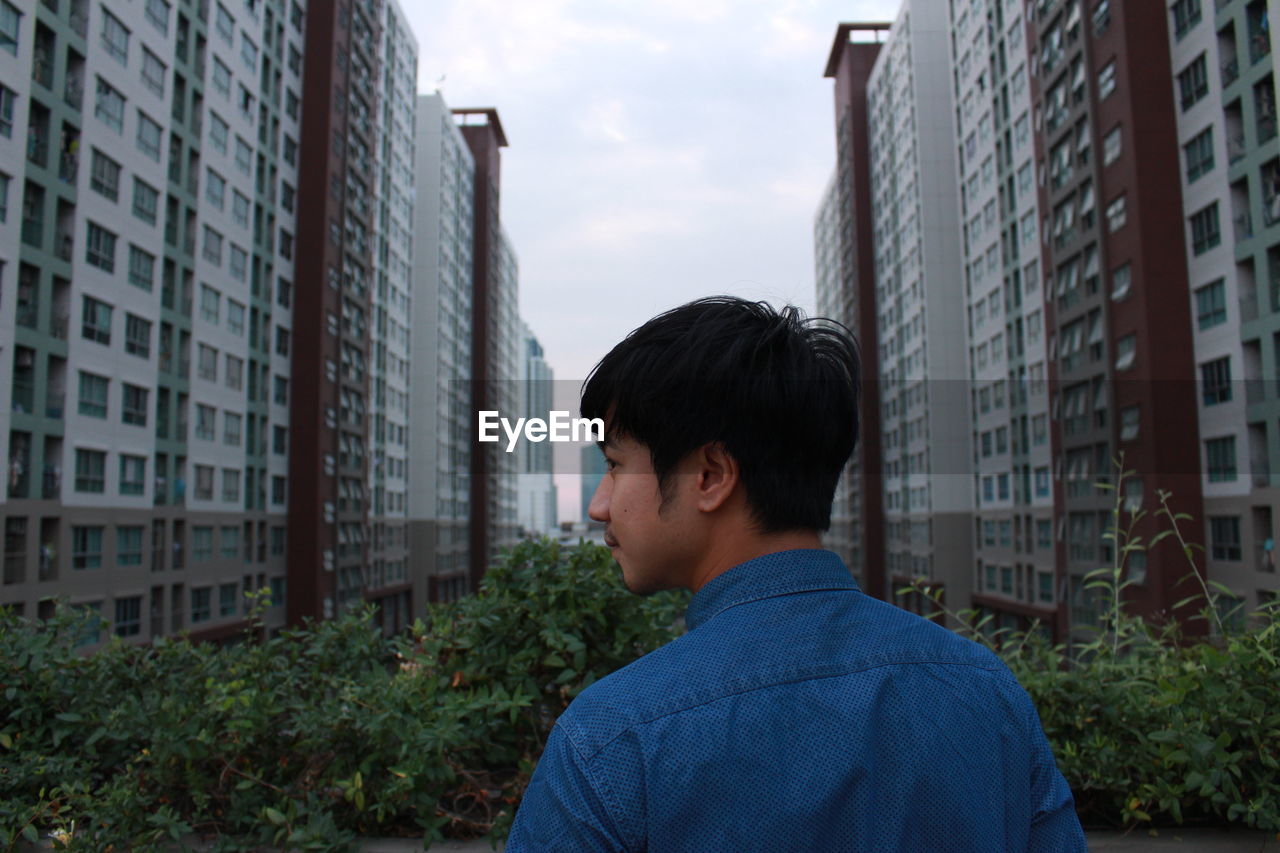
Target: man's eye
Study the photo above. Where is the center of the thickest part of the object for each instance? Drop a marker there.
(610, 463)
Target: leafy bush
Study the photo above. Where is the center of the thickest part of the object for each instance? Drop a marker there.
(317, 736)
(1150, 726)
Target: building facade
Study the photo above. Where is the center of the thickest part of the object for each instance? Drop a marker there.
(144, 404)
(440, 405)
(537, 513)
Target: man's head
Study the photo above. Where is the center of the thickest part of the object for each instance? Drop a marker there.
(732, 415)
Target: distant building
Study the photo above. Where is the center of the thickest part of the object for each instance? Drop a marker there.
(440, 371)
(536, 489)
(349, 405)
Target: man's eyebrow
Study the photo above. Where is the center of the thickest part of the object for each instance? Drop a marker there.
(606, 444)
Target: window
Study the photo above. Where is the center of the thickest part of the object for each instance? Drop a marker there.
(284, 290)
(230, 543)
(1116, 215)
(217, 132)
(93, 395)
(142, 266)
(225, 24)
(1205, 233)
(205, 418)
(137, 336)
(7, 97)
(244, 156)
(149, 133)
(128, 616)
(230, 485)
(240, 208)
(129, 545)
(1126, 351)
(104, 175)
(227, 599)
(153, 71)
(91, 471)
(1121, 282)
(238, 263)
(100, 248)
(235, 317)
(286, 196)
(133, 474)
(1215, 381)
(204, 487)
(212, 251)
(282, 341)
(1186, 14)
(134, 401)
(1224, 536)
(202, 542)
(248, 52)
(109, 106)
(281, 391)
(96, 321)
(231, 428)
(1107, 80)
(221, 78)
(290, 150)
(157, 12)
(277, 550)
(200, 603)
(278, 496)
(10, 23)
(146, 199)
(1193, 82)
(1130, 419)
(86, 546)
(279, 440)
(1211, 304)
(1199, 154)
(1111, 146)
(1220, 454)
(215, 188)
(286, 244)
(235, 372)
(210, 304)
(4, 196)
(115, 37)
(207, 363)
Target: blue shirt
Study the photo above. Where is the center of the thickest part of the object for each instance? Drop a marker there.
(798, 713)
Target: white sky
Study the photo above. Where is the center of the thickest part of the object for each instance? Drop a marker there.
(659, 151)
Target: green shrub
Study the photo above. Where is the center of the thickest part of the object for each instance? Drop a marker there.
(317, 736)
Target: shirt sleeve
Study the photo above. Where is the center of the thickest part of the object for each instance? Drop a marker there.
(1055, 828)
(563, 808)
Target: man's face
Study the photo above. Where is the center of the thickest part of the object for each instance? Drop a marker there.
(654, 548)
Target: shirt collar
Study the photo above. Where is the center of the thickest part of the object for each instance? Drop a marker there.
(768, 576)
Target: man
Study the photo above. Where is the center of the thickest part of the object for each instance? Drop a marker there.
(797, 714)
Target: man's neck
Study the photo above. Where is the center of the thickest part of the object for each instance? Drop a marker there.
(741, 548)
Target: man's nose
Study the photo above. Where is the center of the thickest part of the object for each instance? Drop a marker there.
(598, 508)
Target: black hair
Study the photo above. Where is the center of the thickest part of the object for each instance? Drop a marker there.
(778, 391)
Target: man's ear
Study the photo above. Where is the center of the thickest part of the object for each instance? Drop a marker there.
(718, 476)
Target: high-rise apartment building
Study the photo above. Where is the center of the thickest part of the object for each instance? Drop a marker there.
(150, 151)
(1015, 566)
(924, 392)
(1223, 88)
(846, 275)
(537, 514)
(1115, 287)
(440, 372)
(348, 465)
(494, 342)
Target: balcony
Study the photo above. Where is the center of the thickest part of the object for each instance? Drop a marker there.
(79, 20)
(24, 396)
(1235, 147)
(1255, 391)
(1230, 71)
(42, 69)
(73, 93)
(51, 485)
(63, 246)
(1244, 226)
(59, 325)
(28, 314)
(68, 167)
(1266, 127)
(54, 404)
(38, 149)
(19, 477)
(1259, 44)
